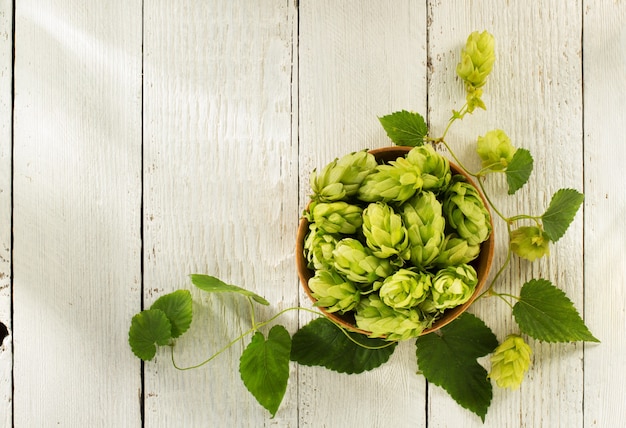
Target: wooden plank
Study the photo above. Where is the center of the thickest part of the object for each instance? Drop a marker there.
(77, 181)
(220, 194)
(604, 49)
(358, 61)
(535, 95)
(6, 106)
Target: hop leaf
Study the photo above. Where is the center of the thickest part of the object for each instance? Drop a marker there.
(519, 169)
(322, 343)
(405, 128)
(546, 313)
(177, 306)
(561, 212)
(211, 284)
(264, 367)
(448, 360)
(147, 329)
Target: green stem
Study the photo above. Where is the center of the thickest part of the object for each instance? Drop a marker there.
(240, 337)
(252, 317)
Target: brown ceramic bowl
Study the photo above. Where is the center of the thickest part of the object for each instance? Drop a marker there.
(482, 263)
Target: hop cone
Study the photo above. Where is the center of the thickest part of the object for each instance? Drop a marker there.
(424, 222)
(466, 213)
(405, 289)
(383, 321)
(333, 292)
(395, 182)
(495, 150)
(342, 177)
(530, 242)
(357, 262)
(318, 248)
(384, 232)
(336, 217)
(477, 59)
(434, 167)
(452, 286)
(456, 251)
(510, 361)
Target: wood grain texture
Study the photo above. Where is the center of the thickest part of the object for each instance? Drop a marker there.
(358, 61)
(77, 184)
(535, 95)
(604, 49)
(6, 106)
(220, 194)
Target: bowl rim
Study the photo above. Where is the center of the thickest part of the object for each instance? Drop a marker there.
(482, 264)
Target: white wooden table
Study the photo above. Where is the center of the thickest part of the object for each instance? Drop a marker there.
(141, 141)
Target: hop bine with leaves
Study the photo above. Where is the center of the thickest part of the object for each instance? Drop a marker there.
(361, 256)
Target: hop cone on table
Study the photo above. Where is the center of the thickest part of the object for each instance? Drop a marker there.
(357, 262)
(435, 168)
(334, 292)
(395, 182)
(405, 289)
(318, 248)
(452, 286)
(456, 251)
(495, 150)
(476, 63)
(384, 232)
(530, 242)
(510, 361)
(477, 59)
(383, 321)
(425, 224)
(336, 217)
(466, 212)
(342, 178)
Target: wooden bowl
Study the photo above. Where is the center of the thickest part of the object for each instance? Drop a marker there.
(482, 264)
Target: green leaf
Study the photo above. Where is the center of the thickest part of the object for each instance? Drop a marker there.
(519, 170)
(264, 367)
(561, 212)
(405, 128)
(322, 343)
(447, 358)
(546, 313)
(147, 329)
(213, 285)
(177, 306)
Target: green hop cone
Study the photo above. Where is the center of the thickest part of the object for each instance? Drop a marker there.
(495, 150)
(358, 264)
(477, 59)
(530, 242)
(395, 182)
(405, 289)
(465, 211)
(334, 292)
(318, 248)
(424, 222)
(384, 232)
(336, 217)
(452, 286)
(341, 178)
(456, 251)
(510, 361)
(434, 167)
(383, 321)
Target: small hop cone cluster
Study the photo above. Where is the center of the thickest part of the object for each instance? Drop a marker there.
(476, 63)
(510, 361)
